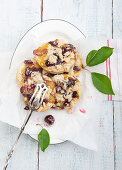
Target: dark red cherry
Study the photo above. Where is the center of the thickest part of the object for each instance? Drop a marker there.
(36, 69)
(28, 62)
(49, 119)
(58, 61)
(70, 47)
(31, 87)
(76, 68)
(45, 100)
(23, 90)
(66, 102)
(29, 96)
(71, 82)
(26, 107)
(40, 52)
(74, 94)
(64, 50)
(48, 64)
(27, 71)
(53, 43)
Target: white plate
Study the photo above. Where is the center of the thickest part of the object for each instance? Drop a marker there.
(46, 31)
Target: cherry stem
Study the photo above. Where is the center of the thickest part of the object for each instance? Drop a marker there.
(84, 66)
(86, 69)
(39, 125)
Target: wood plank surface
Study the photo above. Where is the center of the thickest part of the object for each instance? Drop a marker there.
(25, 155)
(70, 156)
(92, 17)
(16, 17)
(117, 19)
(118, 135)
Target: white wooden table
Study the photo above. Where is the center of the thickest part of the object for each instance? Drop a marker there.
(96, 18)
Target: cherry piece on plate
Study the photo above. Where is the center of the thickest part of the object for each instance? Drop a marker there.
(66, 102)
(29, 96)
(58, 61)
(28, 62)
(53, 43)
(64, 50)
(31, 87)
(45, 100)
(23, 90)
(48, 64)
(40, 52)
(71, 82)
(76, 68)
(26, 107)
(74, 94)
(27, 72)
(49, 119)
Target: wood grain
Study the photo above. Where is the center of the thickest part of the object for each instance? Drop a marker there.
(70, 156)
(117, 19)
(16, 17)
(92, 17)
(118, 135)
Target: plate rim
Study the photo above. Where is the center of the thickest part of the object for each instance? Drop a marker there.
(55, 141)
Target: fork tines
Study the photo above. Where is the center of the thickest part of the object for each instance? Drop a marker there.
(38, 96)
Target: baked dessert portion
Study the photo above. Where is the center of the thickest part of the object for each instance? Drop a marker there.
(56, 64)
(68, 91)
(28, 75)
(57, 57)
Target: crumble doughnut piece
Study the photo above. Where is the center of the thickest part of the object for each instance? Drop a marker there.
(68, 90)
(56, 56)
(28, 75)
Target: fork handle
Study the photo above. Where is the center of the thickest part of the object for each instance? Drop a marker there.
(17, 139)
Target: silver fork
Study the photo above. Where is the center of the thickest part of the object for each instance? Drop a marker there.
(34, 104)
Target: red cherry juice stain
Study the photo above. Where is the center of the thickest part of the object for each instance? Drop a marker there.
(82, 111)
(37, 119)
(46, 125)
(90, 97)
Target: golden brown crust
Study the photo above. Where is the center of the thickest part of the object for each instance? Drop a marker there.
(19, 75)
(58, 58)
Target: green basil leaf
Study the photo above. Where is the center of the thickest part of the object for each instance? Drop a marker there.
(102, 83)
(44, 139)
(90, 56)
(99, 57)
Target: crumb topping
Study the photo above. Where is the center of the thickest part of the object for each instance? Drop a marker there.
(67, 91)
(56, 64)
